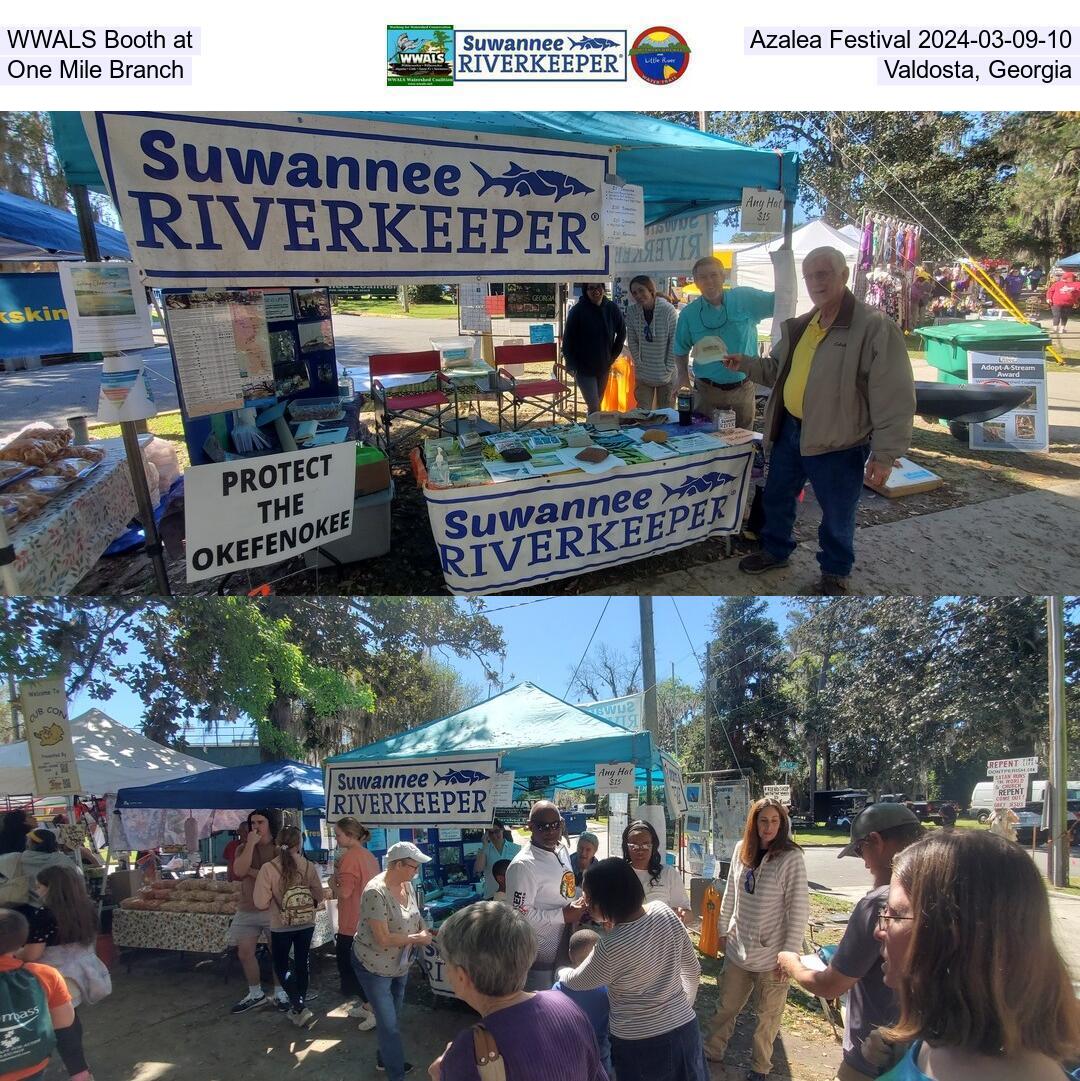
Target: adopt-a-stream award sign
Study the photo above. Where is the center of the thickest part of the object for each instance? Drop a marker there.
(255, 199)
(496, 537)
(453, 790)
(257, 511)
(1025, 427)
(48, 737)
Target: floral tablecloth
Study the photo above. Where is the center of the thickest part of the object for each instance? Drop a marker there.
(59, 547)
(194, 932)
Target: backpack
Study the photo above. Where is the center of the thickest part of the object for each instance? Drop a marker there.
(297, 905)
(26, 1033)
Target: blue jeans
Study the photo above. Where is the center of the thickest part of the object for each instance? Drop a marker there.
(386, 994)
(837, 478)
(671, 1056)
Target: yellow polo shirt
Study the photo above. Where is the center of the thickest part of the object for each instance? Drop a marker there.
(799, 372)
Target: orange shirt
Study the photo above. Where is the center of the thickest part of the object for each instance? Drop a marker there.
(56, 994)
(357, 867)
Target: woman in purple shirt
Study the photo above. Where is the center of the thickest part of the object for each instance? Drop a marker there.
(488, 949)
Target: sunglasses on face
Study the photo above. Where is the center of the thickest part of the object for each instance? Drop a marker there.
(750, 881)
(547, 827)
(640, 847)
(648, 332)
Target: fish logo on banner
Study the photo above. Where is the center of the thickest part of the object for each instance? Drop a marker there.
(523, 181)
(707, 482)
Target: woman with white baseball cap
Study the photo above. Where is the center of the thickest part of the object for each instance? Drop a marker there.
(390, 926)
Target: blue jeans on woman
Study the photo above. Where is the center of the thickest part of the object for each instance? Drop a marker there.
(672, 1056)
(385, 994)
(837, 477)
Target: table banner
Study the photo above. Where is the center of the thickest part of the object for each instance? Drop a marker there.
(277, 198)
(492, 538)
(452, 791)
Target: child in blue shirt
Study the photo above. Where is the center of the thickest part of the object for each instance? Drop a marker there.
(594, 1004)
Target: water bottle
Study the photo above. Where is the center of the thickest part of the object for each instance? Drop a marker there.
(429, 921)
(685, 403)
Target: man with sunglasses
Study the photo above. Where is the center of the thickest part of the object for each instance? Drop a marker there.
(878, 832)
(540, 885)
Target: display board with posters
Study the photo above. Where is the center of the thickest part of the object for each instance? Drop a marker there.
(283, 199)
(448, 790)
(1025, 427)
(674, 792)
(531, 300)
(670, 250)
(48, 737)
(730, 806)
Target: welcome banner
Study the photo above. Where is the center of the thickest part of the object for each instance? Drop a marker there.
(503, 536)
(263, 199)
(441, 791)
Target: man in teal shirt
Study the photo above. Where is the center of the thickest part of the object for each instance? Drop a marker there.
(714, 324)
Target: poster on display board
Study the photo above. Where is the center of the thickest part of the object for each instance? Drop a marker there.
(618, 820)
(1027, 426)
(731, 804)
(259, 511)
(283, 199)
(624, 215)
(106, 305)
(502, 792)
(627, 710)
(48, 736)
(448, 791)
(33, 316)
(492, 538)
(670, 250)
(473, 313)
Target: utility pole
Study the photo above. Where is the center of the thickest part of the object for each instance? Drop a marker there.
(648, 673)
(708, 706)
(1058, 858)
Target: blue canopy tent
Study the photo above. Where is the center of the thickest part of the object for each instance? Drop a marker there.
(288, 785)
(1070, 262)
(681, 169)
(33, 230)
(537, 734)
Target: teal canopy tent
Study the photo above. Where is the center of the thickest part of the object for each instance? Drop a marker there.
(681, 169)
(537, 734)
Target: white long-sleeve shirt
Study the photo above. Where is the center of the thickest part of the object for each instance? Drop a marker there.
(650, 970)
(759, 925)
(670, 889)
(540, 884)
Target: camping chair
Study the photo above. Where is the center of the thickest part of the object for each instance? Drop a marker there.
(539, 394)
(425, 408)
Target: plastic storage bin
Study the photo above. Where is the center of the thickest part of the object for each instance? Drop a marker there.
(370, 535)
(455, 352)
(947, 346)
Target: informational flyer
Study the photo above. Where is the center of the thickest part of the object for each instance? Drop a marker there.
(106, 305)
(204, 348)
(48, 737)
(624, 215)
(473, 311)
(1025, 427)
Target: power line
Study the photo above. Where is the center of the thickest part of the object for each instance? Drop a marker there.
(586, 651)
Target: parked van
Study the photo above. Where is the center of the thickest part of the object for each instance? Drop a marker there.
(982, 796)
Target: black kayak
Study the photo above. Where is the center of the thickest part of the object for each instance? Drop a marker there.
(968, 403)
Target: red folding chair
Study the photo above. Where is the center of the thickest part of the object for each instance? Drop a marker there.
(539, 394)
(425, 408)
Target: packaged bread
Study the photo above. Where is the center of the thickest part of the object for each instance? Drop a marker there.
(19, 507)
(42, 484)
(10, 469)
(93, 454)
(69, 468)
(36, 445)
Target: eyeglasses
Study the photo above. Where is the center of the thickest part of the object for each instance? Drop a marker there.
(884, 917)
(750, 881)
(647, 846)
(547, 827)
(412, 866)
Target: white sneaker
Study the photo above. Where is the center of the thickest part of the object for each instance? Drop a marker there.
(355, 1009)
(302, 1018)
(367, 1021)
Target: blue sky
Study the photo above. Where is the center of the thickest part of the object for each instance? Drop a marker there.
(546, 637)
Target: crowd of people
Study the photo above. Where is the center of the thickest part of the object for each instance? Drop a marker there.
(843, 398)
(583, 968)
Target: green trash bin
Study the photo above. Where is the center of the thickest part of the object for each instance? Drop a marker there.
(947, 346)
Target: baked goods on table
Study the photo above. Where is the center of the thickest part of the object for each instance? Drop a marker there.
(37, 444)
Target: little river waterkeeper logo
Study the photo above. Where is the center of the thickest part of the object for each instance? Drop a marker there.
(660, 55)
(419, 56)
(565, 56)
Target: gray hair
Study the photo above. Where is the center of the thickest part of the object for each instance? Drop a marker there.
(493, 943)
(834, 255)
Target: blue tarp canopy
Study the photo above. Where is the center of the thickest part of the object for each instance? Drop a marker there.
(536, 733)
(235, 788)
(1072, 261)
(33, 230)
(681, 169)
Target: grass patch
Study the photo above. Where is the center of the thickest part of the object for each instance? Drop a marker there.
(821, 835)
(1071, 891)
(168, 426)
(446, 309)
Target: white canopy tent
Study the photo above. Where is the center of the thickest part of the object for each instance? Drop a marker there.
(754, 266)
(109, 755)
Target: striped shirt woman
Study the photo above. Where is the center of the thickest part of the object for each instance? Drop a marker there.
(765, 908)
(651, 972)
(650, 341)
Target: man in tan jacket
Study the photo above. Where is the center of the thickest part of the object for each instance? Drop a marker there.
(841, 409)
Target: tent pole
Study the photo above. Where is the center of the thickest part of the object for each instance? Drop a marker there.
(127, 428)
(789, 223)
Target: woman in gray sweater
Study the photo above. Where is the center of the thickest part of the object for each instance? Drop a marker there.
(650, 341)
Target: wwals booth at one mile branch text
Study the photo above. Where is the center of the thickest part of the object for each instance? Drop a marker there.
(442, 784)
(245, 221)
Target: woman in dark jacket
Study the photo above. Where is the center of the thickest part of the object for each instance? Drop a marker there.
(593, 338)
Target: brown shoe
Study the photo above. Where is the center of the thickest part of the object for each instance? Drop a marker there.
(833, 585)
(712, 1054)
